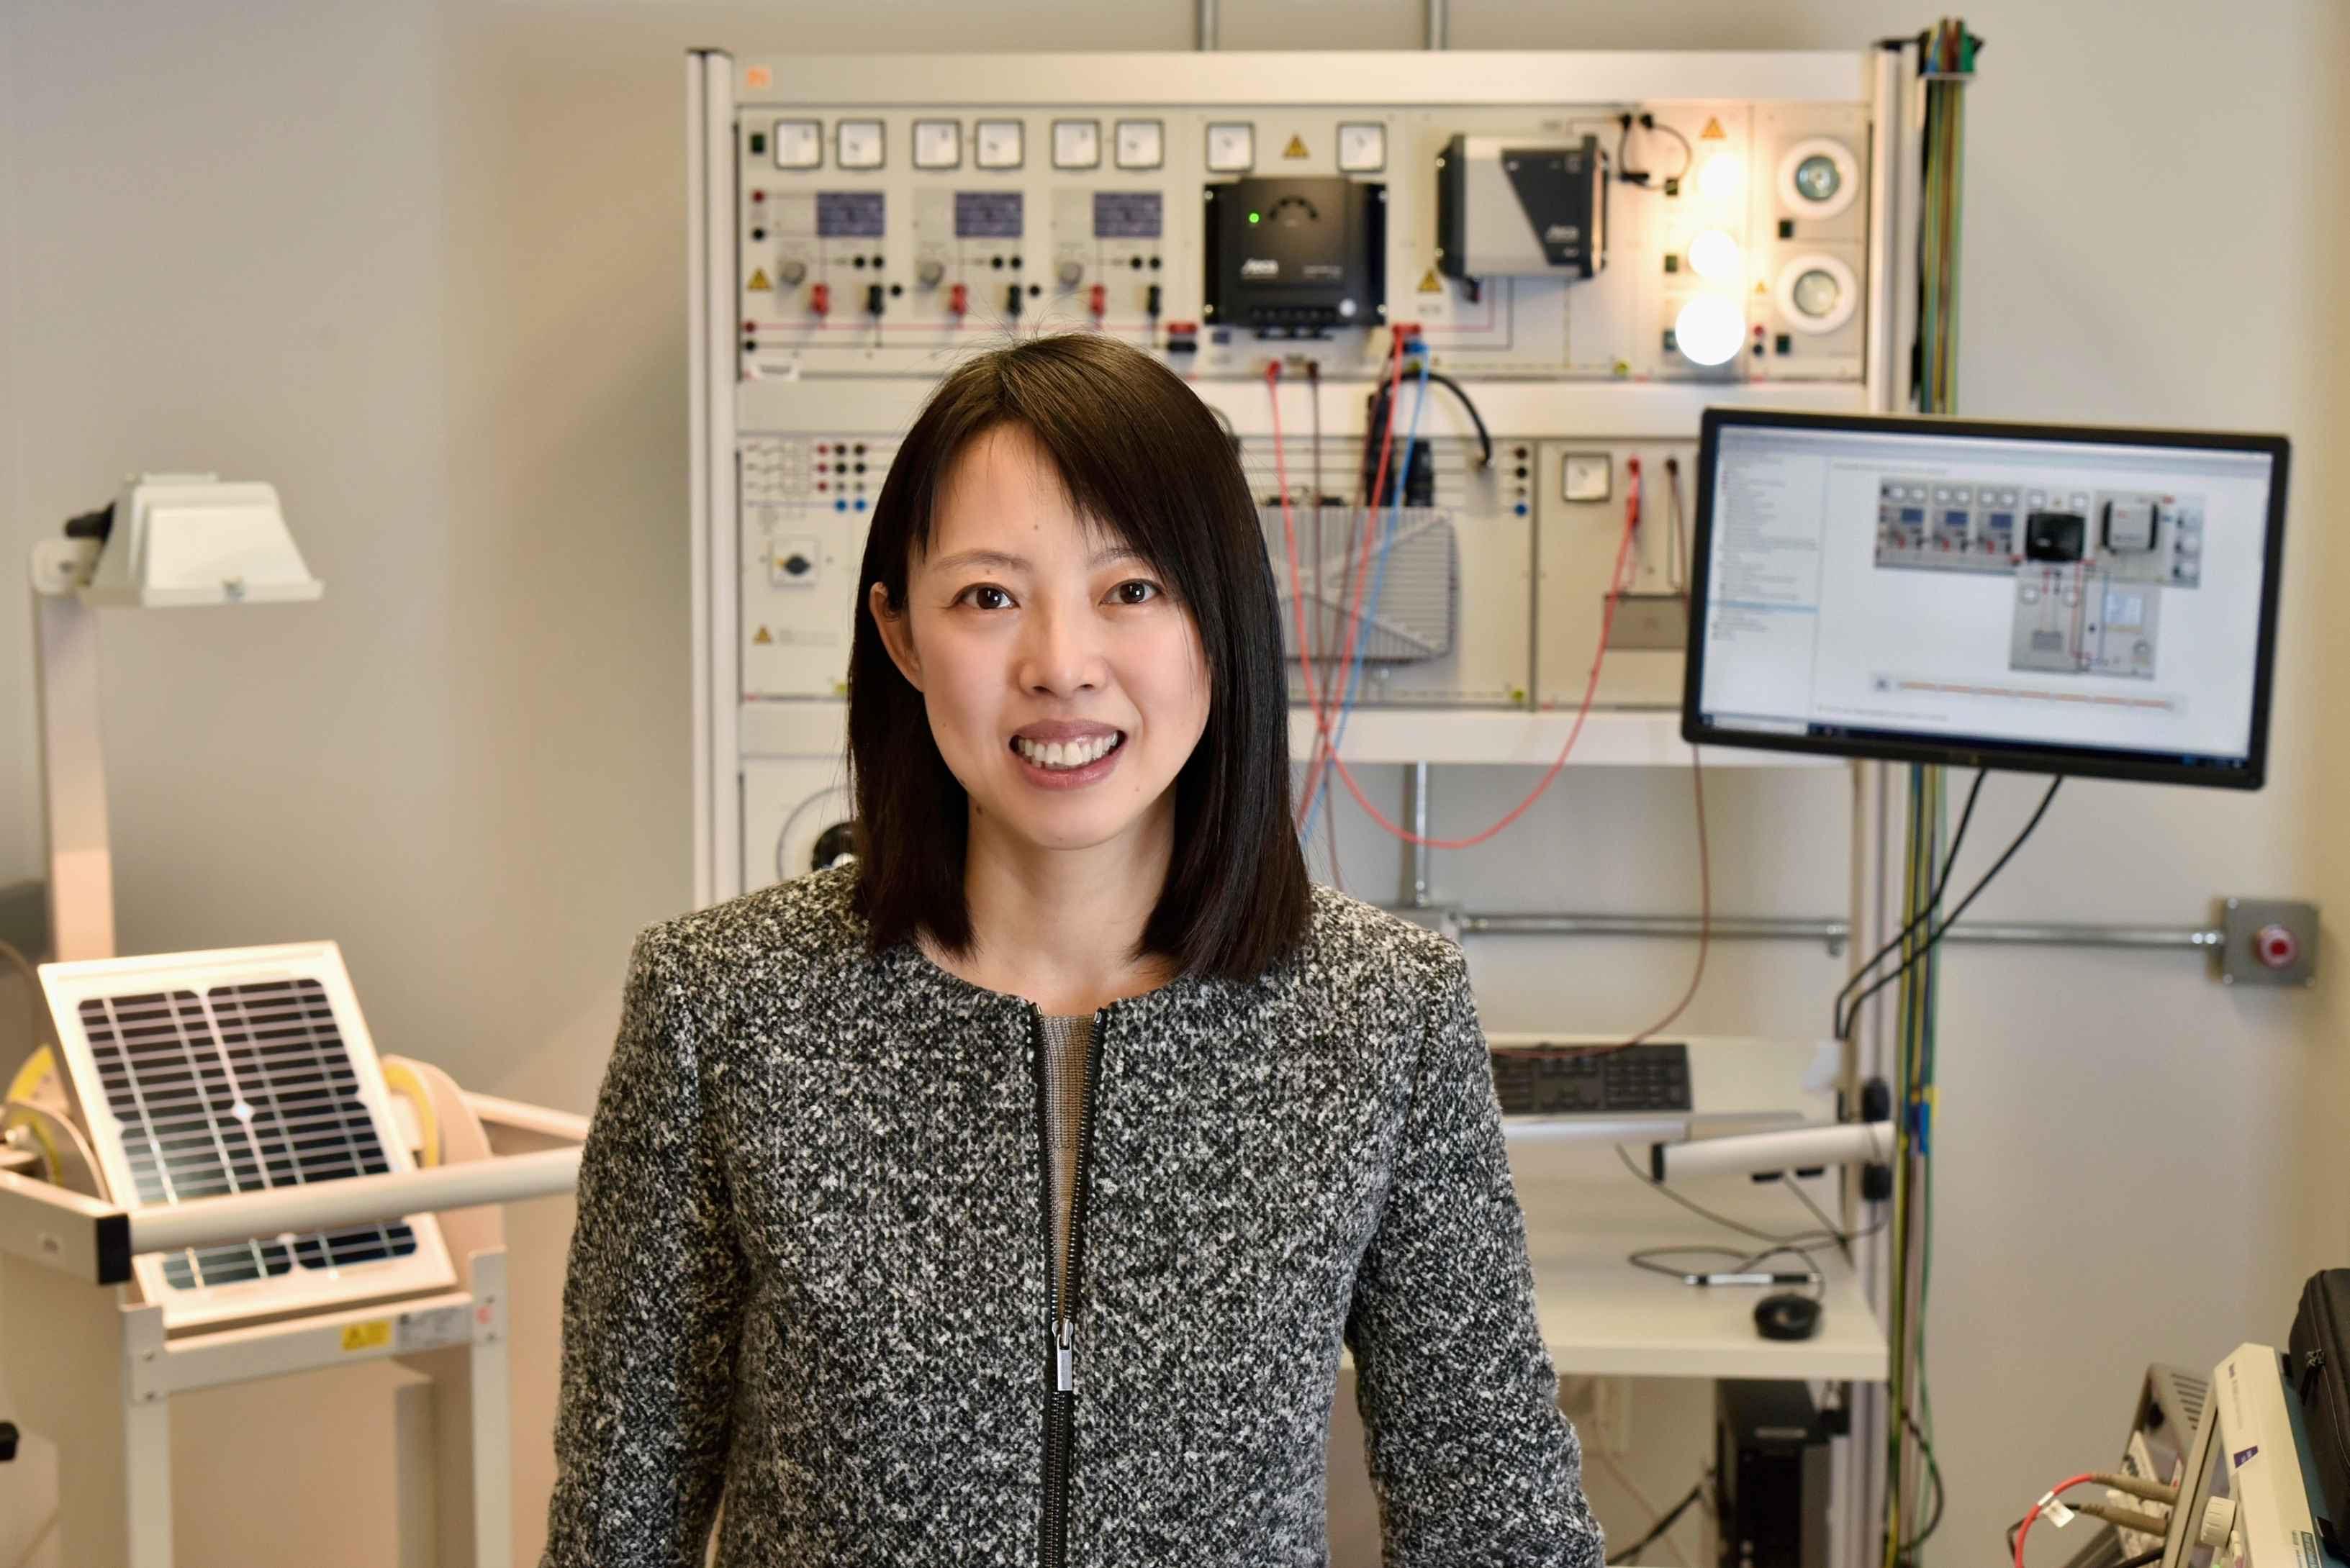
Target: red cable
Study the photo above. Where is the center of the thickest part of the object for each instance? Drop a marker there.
(1296, 579)
(2047, 1498)
(1590, 690)
(1704, 908)
(1325, 744)
(1631, 503)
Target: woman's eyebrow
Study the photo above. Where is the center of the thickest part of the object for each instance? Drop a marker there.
(996, 558)
(1001, 561)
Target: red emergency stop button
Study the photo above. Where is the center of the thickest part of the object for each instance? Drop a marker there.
(2276, 947)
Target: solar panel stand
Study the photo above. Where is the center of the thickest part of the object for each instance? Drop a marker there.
(98, 1383)
(93, 1366)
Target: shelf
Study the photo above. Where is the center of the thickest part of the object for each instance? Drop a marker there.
(1602, 1316)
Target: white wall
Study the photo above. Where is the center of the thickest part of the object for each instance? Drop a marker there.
(423, 268)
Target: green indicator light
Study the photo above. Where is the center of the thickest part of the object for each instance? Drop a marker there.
(1252, 217)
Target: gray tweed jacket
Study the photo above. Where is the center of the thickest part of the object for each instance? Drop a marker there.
(811, 1266)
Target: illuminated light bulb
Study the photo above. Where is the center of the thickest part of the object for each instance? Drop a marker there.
(1713, 254)
(1709, 330)
(1721, 174)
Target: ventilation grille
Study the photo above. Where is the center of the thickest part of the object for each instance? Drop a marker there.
(1414, 616)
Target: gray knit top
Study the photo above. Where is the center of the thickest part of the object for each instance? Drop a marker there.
(1065, 1039)
(814, 1264)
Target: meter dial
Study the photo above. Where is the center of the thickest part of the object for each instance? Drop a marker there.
(938, 143)
(996, 143)
(799, 143)
(1077, 144)
(1141, 144)
(1231, 147)
(1816, 179)
(856, 144)
(1362, 148)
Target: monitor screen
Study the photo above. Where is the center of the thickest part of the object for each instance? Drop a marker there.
(2056, 598)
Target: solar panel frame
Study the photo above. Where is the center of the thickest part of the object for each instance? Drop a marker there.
(237, 1070)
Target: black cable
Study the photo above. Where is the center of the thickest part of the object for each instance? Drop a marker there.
(1631, 176)
(1656, 1532)
(1933, 1476)
(1936, 935)
(1820, 1214)
(1950, 863)
(1801, 1238)
(1484, 436)
(1646, 1259)
(1677, 580)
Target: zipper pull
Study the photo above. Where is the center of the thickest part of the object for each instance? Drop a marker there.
(1065, 1356)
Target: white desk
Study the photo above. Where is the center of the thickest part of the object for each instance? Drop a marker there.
(1585, 1213)
(1601, 1316)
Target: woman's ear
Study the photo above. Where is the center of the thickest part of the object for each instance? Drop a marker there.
(897, 635)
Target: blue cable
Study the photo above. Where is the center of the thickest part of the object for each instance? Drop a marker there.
(1370, 605)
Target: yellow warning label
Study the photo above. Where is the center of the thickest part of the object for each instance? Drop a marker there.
(1712, 132)
(759, 284)
(372, 1334)
(764, 637)
(1296, 148)
(1430, 282)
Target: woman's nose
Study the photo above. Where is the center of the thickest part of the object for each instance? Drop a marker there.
(1061, 652)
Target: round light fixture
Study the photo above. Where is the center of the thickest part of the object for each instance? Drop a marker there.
(1709, 330)
(1722, 174)
(1714, 256)
(1817, 293)
(1818, 178)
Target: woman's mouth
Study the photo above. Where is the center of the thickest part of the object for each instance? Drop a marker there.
(1069, 763)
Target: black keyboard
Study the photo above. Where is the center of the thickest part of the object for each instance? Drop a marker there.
(1591, 1080)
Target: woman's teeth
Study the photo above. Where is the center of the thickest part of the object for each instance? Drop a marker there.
(1066, 755)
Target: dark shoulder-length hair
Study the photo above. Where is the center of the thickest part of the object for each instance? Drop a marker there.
(1144, 458)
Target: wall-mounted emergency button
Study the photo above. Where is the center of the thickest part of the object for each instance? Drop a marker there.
(2275, 946)
(2268, 941)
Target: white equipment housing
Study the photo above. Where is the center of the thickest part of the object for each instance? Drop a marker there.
(860, 223)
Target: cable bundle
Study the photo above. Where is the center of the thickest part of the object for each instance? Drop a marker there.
(1946, 59)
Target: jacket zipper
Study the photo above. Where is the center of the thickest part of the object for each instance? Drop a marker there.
(1060, 1327)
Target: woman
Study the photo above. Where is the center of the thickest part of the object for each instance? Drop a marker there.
(1006, 1194)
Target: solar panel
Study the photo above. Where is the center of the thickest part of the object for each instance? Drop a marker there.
(209, 1074)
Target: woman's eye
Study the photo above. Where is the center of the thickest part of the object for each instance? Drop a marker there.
(1135, 592)
(986, 595)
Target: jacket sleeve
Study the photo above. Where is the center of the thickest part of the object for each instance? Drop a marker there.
(1470, 1457)
(651, 1305)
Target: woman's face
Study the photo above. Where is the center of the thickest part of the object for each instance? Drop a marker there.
(1065, 685)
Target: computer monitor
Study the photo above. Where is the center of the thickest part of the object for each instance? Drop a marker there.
(2070, 600)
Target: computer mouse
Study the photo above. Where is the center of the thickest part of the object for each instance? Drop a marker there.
(1787, 1317)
